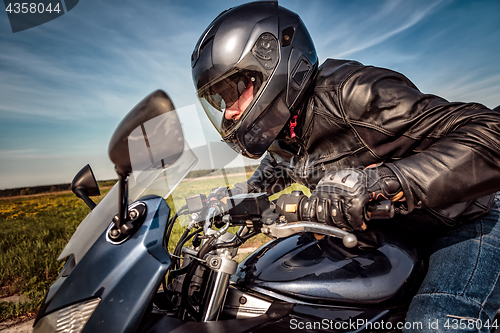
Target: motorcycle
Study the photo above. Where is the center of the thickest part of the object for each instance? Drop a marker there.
(120, 276)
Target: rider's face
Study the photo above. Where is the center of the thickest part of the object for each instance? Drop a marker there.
(235, 111)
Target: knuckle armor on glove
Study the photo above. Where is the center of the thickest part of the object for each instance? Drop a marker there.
(340, 198)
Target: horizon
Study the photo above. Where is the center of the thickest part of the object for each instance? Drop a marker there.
(231, 170)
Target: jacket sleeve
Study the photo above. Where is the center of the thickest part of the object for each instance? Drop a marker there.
(443, 153)
(268, 177)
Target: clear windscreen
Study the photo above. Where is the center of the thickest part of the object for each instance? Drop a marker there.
(161, 182)
(161, 160)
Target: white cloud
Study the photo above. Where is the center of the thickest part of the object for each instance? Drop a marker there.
(349, 33)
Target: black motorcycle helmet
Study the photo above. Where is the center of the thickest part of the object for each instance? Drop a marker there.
(252, 67)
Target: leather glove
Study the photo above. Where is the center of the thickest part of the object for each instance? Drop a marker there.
(223, 192)
(341, 197)
(218, 193)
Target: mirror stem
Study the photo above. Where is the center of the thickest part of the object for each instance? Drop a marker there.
(82, 194)
(123, 197)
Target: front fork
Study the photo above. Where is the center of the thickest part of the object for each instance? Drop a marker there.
(220, 265)
(221, 268)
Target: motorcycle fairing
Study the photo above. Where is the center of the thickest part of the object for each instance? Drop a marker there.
(114, 272)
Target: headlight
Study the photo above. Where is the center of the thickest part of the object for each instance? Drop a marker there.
(71, 319)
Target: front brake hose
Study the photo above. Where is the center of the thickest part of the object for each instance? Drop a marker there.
(189, 275)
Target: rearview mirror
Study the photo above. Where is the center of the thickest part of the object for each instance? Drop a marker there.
(149, 137)
(84, 186)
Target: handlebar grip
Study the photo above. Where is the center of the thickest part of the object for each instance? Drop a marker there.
(380, 210)
(292, 206)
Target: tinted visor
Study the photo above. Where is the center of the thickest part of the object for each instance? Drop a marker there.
(216, 98)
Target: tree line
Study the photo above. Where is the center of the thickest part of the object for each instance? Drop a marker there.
(106, 183)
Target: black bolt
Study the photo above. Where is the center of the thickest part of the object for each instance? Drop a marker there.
(243, 300)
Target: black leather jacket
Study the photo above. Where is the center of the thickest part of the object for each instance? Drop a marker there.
(446, 155)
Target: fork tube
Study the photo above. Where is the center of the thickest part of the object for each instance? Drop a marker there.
(221, 270)
(214, 297)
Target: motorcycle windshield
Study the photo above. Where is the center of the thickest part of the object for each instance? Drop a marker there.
(156, 171)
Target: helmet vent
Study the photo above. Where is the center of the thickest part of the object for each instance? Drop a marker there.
(287, 36)
(300, 72)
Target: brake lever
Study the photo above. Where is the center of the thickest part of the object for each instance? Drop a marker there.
(279, 230)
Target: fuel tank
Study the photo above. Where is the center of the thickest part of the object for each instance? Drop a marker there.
(381, 268)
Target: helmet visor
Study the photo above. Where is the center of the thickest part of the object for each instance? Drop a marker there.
(227, 100)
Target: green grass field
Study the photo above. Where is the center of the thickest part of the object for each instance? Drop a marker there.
(34, 230)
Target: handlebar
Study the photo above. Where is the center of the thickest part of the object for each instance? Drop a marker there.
(280, 219)
(380, 210)
(292, 207)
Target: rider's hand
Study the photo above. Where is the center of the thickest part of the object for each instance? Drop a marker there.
(223, 192)
(217, 198)
(341, 197)
(218, 193)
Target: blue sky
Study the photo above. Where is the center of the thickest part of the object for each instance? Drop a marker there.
(65, 85)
